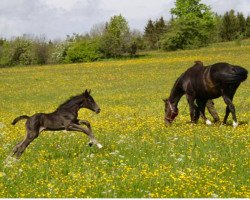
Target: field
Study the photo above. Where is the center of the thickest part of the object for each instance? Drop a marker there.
(140, 157)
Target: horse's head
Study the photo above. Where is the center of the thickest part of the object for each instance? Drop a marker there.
(89, 102)
(171, 111)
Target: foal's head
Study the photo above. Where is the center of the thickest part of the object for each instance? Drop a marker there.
(89, 102)
(171, 111)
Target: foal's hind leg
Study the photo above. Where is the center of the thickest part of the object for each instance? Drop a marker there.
(88, 131)
(21, 146)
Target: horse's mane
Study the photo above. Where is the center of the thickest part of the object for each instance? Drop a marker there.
(71, 101)
(198, 62)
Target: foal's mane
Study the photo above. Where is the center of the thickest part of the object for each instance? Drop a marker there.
(71, 101)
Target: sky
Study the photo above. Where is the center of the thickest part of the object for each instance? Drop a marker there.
(57, 18)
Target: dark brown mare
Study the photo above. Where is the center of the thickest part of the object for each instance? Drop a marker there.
(200, 84)
(65, 117)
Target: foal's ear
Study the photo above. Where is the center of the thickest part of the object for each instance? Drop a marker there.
(86, 93)
(89, 91)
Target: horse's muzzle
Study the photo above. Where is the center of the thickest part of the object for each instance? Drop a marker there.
(167, 122)
(97, 110)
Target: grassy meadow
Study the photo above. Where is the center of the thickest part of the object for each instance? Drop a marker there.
(140, 157)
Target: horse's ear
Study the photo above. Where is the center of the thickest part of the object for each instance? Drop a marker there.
(89, 91)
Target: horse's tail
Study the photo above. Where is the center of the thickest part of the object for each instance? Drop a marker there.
(233, 74)
(19, 118)
(239, 75)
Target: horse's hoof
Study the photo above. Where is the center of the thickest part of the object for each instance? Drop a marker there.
(99, 146)
(208, 122)
(235, 124)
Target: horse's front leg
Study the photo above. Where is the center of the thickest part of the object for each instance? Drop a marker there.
(230, 108)
(87, 131)
(194, 112)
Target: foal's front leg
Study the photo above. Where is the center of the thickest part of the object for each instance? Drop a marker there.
(85, 122)
(88, 131)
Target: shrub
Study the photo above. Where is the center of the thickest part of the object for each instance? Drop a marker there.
(83, 51)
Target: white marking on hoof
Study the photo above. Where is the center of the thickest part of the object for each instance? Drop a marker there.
(208, 122)
(235, 124)
(99, 145)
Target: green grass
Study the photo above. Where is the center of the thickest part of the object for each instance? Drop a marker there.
(141, 157)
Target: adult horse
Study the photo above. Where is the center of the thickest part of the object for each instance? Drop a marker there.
(200, 84)
(65, 117)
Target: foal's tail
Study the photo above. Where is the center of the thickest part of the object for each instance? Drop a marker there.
(19, 118)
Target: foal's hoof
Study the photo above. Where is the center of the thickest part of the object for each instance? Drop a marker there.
(99, 146)
(91, 144)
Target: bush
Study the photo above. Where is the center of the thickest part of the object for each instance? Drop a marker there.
(83, 51)
(17, 52)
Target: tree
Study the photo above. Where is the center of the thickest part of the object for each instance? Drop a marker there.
(116, 39)
(248, 26)
(193, 26)
(160, 29)
(242, 24)
(230, 29)
(150, 35)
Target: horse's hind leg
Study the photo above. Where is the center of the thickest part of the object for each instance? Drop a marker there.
(21, 146)
(226, 115)
(211, 109)
(230, 108)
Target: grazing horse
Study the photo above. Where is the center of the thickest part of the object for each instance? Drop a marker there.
(200, 84)
(63, 118)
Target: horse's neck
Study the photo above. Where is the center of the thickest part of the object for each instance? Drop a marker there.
(176, 93)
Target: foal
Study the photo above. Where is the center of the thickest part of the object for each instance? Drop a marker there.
(63, 118)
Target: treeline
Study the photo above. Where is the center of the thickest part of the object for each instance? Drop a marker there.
(188, 32)
(192, 25)
(110, 40)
